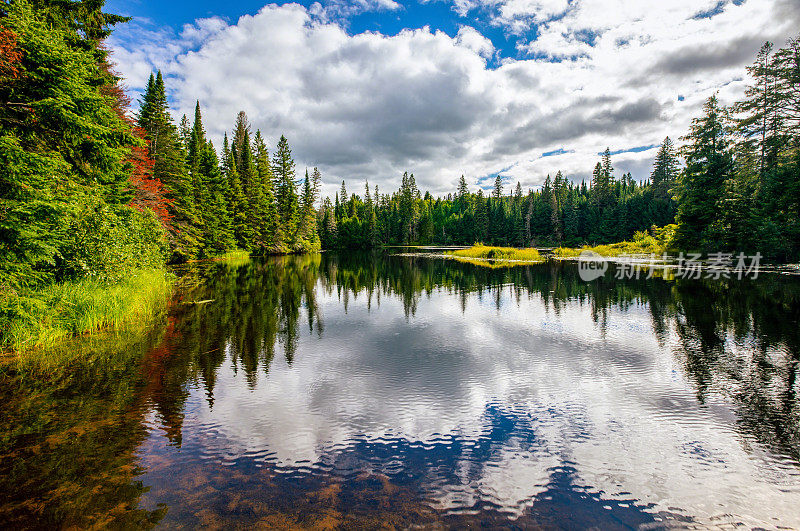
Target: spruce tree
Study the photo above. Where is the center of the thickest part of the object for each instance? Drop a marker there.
(283, 169)
(269, 231)
(165, 148)
(665, 169)
(308, 219)
(237, 201)
(709, 162)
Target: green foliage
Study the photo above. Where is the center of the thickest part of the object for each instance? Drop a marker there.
(561, 213)
(107, 244)
(739, 190)
(709, 163)
(283, 169)
(61, 138)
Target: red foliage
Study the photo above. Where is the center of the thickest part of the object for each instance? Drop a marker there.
(10, 55)
(149, 193)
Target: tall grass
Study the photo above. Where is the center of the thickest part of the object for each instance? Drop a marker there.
(237, 255)
(498, 254)
(657, 241)
(642, 243)
(43, 317)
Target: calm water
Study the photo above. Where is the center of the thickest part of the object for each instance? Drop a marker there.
(372, 390)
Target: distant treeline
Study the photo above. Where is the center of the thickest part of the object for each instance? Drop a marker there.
(561, 213)
(738, 189)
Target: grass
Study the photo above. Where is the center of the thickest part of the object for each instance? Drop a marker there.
(237, 255)
(613, 249)
(643, 243)
(482, 254)
(48, 315)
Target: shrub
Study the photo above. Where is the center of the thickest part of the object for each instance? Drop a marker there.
(107, 243)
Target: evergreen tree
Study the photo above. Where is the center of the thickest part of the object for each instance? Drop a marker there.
(761, 122)
(218, 235)
(665, 169)
(269, 233)
(309, 237)
(709, 162)
(283, 169)
(497, 193)
(165, 148)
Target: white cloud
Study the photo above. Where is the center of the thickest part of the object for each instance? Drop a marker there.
(339, 10)
(371, 106)
(471, 39)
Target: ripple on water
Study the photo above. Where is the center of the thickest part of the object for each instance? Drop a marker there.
(482, 404)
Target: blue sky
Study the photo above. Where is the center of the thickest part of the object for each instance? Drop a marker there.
(436, 14)
(368, 89)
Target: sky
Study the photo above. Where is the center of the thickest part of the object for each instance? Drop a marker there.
(366, 90)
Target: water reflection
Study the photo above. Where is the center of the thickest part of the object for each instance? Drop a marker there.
(363, 389)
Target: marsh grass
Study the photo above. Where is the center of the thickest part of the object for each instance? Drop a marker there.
(498, 256)
(658, 241)
(40, 319)
(613, 249)
(235, 256)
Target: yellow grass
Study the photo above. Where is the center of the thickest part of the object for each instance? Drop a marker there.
(484, 255)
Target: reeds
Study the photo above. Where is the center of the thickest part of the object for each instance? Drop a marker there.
(45, 316)
(642, 244)
(499, 254)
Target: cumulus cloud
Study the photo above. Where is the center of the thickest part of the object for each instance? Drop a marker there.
(471, 39)
(370, 106)
(340, 10)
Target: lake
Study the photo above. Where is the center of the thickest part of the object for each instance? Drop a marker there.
(364, 390)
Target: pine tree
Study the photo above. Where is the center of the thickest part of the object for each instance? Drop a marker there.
(165, 148)
(665, 169)
(463, 195)
(283, 169)
(608, 170)
(709, 162)
(497, 193)
(761, 122)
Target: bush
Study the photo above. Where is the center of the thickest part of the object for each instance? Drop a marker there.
(107, 243)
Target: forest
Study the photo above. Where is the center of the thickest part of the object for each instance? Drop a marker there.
(96, 190)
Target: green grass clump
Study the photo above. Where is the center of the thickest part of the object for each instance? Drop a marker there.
(42, 317)
(236, 256)
(480, 252)
(657, 243)
(613, 249)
